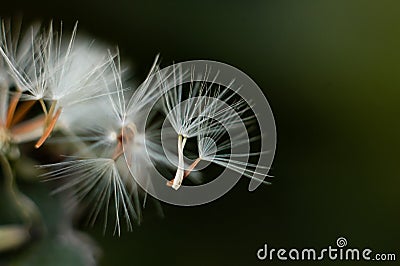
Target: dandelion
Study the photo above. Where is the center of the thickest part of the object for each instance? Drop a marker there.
(97, 177)
(75, 70)
(208, 113)
(189, 115)
(102, 175)
(18, 50)
(12, 132)
(81, 88)
(95, 182)
(52, 71)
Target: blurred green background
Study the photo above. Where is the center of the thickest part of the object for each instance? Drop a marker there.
(330, 70)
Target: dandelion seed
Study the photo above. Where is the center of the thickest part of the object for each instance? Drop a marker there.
(96, 182)
(212, 149)
(52, 69)
(206, 110)
(19, 48)
(145, 146)
(23, 56)
(75, 67)
(75, 70)
(109, 129)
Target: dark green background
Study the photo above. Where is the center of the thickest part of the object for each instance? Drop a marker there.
(330, 70)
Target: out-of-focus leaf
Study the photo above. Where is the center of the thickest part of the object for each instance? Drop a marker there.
(13, 236)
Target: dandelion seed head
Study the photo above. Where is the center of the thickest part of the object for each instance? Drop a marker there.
(102, 130)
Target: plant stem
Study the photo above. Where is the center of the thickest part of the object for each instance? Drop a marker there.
(181, 164)
(8, 174)
(28, 208)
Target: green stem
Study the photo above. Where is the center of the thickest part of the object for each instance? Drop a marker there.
(28, 208)
(8, 174)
